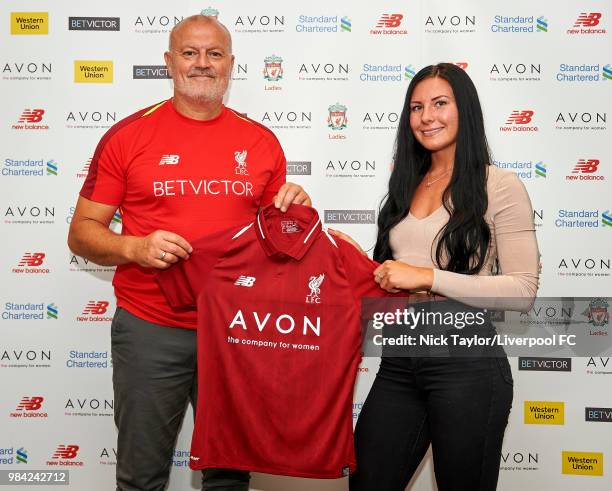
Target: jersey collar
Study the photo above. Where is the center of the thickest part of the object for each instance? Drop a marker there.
(308, 220)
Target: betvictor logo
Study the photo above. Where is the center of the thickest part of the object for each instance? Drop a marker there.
(601, 414)
(141, 72)
(94, 23)
(545, 364)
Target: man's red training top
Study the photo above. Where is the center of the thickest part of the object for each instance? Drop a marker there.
(168, 172)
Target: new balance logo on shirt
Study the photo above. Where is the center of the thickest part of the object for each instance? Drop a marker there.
(245, 281)
(169, 159)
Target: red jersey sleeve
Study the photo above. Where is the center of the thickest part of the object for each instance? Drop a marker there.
(360, 271)
(176, 286)
(106, 179)
(279, 172)
(181, 283)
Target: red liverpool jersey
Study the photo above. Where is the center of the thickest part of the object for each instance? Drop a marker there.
(279, 343)
(168, 172)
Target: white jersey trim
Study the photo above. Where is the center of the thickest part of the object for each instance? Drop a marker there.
(312, 230)
(242, 231)
(259, 225)
(331, 239)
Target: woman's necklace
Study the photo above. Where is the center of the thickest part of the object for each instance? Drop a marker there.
(428, 183)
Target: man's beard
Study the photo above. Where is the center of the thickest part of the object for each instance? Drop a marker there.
(192, 89)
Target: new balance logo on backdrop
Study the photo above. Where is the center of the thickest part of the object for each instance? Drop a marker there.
(83, 173)
(30, 403)
(29, 119)
(64, 456)
(31, 262)
(31, 116)
(169, 159)
(389, 24)
(248, 281)
(520, 117)
(96, 308)
(94, 312)
(66, 452)
(29, 407)
(32, 259)
(587, 170)
(519, 120)
(588, 20)
(586, 166)
(390, 20)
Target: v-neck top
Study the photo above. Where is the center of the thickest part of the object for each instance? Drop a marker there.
(513, 241)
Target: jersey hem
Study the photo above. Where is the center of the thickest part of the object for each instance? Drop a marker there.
(153, 320)
(271, 470)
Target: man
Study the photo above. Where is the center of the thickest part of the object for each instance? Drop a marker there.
(178, 170)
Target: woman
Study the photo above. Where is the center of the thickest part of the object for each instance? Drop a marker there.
(449, 216)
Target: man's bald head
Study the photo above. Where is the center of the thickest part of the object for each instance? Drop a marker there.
(199, 19)
(200, 61)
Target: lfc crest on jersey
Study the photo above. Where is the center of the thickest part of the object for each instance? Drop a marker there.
(241, 164)
(314, 283)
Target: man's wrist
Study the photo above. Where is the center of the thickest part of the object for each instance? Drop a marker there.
(128, 248)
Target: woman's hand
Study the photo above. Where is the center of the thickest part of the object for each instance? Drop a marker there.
(350, 240)
(394, 276)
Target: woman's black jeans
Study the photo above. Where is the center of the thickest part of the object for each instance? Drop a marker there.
(459, 405)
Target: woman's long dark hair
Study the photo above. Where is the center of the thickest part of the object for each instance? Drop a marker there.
(464, 240)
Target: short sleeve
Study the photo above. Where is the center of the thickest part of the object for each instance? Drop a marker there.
(360, 271)
(182, 282)
(106, 179)
(279, 172)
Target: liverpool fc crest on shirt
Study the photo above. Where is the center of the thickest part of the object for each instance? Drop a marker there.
(315, 288)
(241, 163)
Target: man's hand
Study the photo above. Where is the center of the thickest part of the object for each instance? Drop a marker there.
(90, 237)
(291, 193)
(158, 250)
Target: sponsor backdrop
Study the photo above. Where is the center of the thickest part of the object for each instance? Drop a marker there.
(329, 79)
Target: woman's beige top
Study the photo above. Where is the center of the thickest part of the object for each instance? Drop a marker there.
(513, 241)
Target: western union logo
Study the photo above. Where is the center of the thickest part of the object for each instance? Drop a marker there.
(544, 413)
(93, 72)
(30, 23)
(582, 463)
